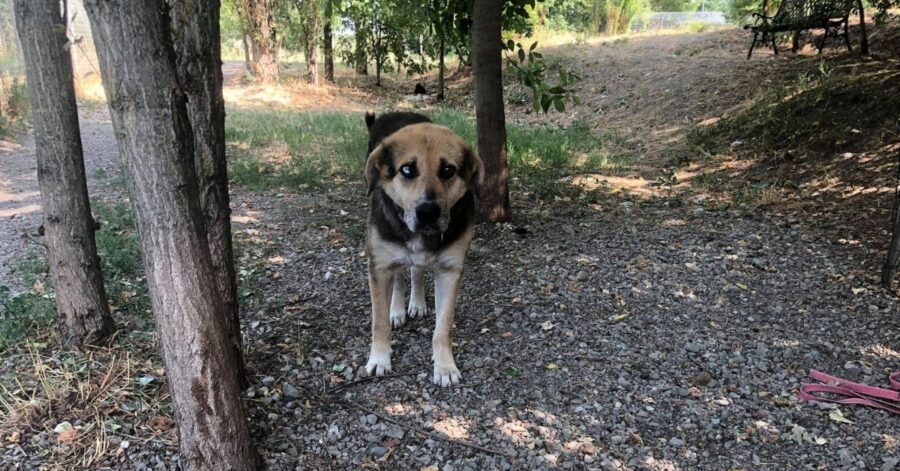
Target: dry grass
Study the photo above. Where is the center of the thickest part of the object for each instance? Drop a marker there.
(84, 407)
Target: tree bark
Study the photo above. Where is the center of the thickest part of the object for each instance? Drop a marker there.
(84, 316)
(263, 44)
(863, 33)
(441, 68)
(245, 41)
(197, 43)
(328, 42)
(362, 61)
(150, 117)
(309, 16)
(892, 260)
(490, 115)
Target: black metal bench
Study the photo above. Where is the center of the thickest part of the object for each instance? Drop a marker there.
(799, 15)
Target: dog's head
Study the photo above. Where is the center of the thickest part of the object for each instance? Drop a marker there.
(424, 169)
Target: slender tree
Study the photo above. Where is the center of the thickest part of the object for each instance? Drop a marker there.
(490, 116)
(84, 316)
(309, 32)
(361, 60)
(260, 18)
(150, 116)
(328, 41)
(197, 42)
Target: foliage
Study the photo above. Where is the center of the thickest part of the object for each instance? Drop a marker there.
(530, 68)
(324, 149)
(567, 15)
(615, 16)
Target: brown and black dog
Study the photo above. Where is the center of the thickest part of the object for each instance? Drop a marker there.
(422, 179)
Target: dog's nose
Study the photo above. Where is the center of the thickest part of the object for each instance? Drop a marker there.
(428, 213)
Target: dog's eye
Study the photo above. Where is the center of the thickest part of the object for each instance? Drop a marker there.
(409, 171)
(446, 172)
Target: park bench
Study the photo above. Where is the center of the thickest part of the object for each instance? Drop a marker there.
(799, 15)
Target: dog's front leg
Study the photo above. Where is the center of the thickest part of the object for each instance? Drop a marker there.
(417, 306)
(446, 289)
(380, 284)
(398, 301)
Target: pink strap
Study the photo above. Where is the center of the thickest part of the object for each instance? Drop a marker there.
(853, 393)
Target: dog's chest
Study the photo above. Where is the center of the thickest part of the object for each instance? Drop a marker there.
(412, 253)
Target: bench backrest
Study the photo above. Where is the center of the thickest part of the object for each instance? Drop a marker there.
(811, 13)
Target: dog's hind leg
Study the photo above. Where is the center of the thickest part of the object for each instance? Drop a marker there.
(417, 305)
(398, 301)
(446, 290)
(380, 281)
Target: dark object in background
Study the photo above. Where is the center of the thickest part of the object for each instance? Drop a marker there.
(420, 90)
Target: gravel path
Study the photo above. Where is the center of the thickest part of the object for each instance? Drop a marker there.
(630, 336)
(20, 199)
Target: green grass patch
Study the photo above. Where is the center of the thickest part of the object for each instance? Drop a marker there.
(303, 149)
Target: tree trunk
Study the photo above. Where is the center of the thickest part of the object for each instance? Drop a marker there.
(441, 68)
(84, 316)
(328, 43)
(198, 50)
(892, 260)
(309, 16)
(362, 61)
(150, 117)
(489, 112)
(248, 64)
(263, 43)
(863, 33)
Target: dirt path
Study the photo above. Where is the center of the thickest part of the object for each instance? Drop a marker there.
(20, 201)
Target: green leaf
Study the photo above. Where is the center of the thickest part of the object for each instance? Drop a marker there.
(521, 55)
(533, 46)
(545, 102)
(510, 44)
(538, 55)
(537, 103)
(559, 104)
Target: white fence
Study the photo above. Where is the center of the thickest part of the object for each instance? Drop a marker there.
(674, 20)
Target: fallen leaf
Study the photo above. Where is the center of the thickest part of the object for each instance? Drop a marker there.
(39, 287)
(392, 443)
(14, 437)
(742, 286)
(62, 427)
(160, 423)
(68, 436)
(552, 366)
(547, 325)
(838, 416)
(620, 317)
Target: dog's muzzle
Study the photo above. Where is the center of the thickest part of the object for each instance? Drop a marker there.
(430, 219)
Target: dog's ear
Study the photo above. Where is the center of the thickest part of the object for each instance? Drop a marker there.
(379, 165)
(473, 169)
(370, 119)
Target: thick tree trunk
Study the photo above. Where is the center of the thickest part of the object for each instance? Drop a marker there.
(892, 260)
(150, 117)
(441, 69)
(328, 42)
(263, 44)
(84, 316)
(362, 61)
(195, 27)
(489, 111)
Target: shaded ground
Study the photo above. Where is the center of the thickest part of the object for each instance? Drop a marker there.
(629, 333)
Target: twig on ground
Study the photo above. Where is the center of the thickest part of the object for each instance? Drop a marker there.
(435, 436)
(367, 379)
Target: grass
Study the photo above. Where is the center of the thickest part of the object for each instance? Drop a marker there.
(307, 150)
(819, 113)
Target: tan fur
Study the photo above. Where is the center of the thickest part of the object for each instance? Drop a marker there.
(428, 145)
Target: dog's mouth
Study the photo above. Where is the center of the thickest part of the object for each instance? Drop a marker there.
(433, 228)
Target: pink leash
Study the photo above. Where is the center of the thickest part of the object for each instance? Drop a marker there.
(853, 393)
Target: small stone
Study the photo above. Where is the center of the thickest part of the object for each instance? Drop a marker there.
(372, 419)
(290, 391)
(333, 434)
(581, 276)
(694, 347)
(268, 381)
(377, 451)
(394, 431)
(676, 442)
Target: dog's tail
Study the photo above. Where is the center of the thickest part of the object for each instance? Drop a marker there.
(370, 119)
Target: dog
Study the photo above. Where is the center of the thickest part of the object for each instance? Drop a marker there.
(422, 180)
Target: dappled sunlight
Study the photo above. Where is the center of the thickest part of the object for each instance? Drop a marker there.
(294, 96)
(20, 210)
(655, 464)
(20, 196)
(881, 351)
(453, 427)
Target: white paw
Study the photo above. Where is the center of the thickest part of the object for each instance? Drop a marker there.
(417, 308)
(446, 374)
(398, 318)
(379, 364)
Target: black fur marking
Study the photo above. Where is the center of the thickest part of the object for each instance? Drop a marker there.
(387, 218)
(383, 126)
